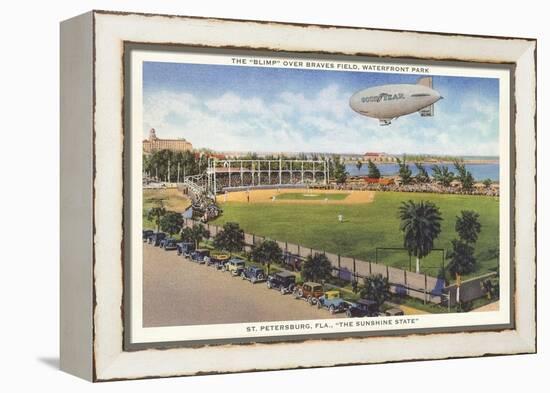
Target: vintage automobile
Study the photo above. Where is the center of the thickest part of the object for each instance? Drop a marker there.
(156, 238)
(185, 248)
(200, 255)
(253, 274)
(218, 260)
(147, 233)
(234, 266)
(394, 311)
(169, 244)
(332, 301)
(283, 281)
(309, 291)
(363, 308)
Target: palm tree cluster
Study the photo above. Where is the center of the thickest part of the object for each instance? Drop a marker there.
(166, 220)
(171, 166)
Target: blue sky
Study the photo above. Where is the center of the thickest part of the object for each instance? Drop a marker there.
(236, 108)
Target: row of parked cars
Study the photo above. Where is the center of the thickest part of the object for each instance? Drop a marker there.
(283, 281)
(234, 265)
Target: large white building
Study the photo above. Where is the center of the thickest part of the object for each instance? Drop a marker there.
(153, 143)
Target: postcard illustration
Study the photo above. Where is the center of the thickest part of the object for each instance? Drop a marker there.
(288, 196)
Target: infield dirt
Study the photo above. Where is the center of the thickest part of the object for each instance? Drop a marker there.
(266, 196)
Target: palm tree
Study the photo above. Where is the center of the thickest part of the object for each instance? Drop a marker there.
(187, 235)
(198, 233)
(156, 214)
(464, 176)
(374, 172)
(421, 225)
(316, 268)
(377, 288)
(405, 173)
(230, 238)
(443, 175)
(171, 222)
(467, 226)
(338, 170)
(422, 175)
(267, 252)
(462, 261)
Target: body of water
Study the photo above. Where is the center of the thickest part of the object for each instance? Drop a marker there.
(479, 171)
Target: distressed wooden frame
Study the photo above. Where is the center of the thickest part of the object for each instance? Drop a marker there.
(92, 190)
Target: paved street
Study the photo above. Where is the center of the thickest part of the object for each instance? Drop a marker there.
(179, 292)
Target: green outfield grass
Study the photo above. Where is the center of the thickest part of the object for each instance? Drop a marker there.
(368, 226)
(312, 196)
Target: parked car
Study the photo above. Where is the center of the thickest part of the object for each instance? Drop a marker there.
(218, 260)
(253, 274)
(309, 291)
(332, 301)
(283, 281)
(392, 312)
(234, 266)
(147, 233)
(185, 248)
(156, 238)
(363, 308)
(200, 255)
(170, 244)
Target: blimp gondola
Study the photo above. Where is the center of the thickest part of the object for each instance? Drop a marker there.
(388, 102)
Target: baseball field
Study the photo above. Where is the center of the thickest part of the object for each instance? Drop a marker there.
(369, 220)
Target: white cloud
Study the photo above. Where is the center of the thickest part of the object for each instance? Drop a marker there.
(323, 122)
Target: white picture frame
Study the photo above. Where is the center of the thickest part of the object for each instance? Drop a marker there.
(93, 190)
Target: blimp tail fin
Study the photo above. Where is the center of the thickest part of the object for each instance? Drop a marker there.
(427, 111)
(425, 81)
(428, 82)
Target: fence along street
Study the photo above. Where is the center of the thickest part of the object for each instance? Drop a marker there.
(420, 286)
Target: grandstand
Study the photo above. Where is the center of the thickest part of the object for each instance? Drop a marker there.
(233, 175)
(202, 200)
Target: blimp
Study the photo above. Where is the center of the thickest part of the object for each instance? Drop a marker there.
(388, 102)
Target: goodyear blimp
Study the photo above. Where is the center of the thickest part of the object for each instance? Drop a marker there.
(388, 102)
